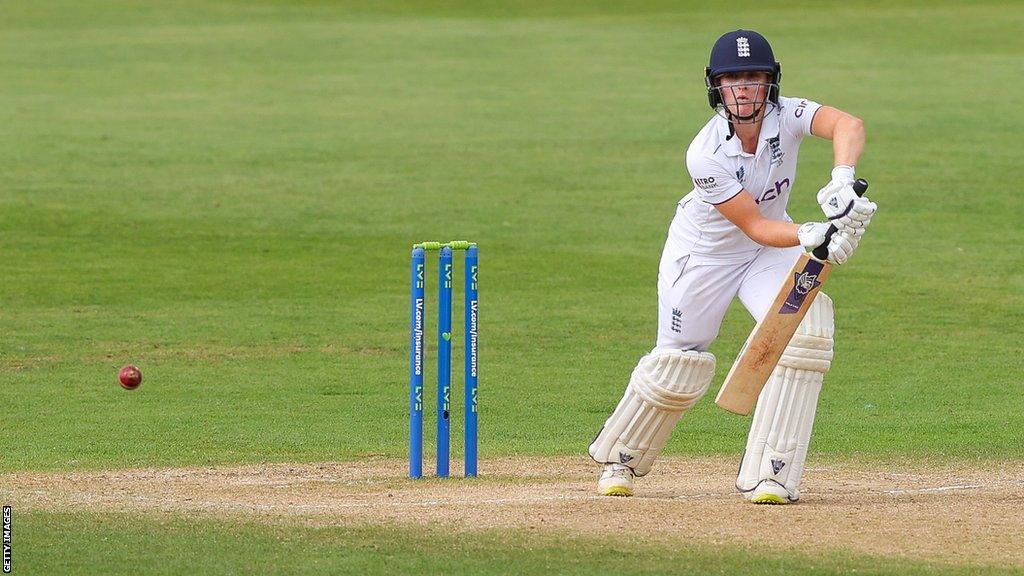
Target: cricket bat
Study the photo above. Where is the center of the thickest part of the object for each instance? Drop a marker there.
(765, 345)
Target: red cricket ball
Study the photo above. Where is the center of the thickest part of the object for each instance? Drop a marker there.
(130, 377)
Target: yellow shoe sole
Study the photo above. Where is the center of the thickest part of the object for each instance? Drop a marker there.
(617, 491)
(769, 499)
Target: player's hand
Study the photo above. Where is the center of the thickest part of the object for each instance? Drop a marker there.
(842, 245)
(841, 204)
(812, 234)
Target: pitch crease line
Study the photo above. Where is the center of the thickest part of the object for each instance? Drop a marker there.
(936, 489)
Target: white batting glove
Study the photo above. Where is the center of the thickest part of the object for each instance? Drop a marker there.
(841, 204)
(859, 215)
(842, 245)
(842, 176)
(812, 234)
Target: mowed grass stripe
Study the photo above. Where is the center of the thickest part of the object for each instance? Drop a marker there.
(80, 543)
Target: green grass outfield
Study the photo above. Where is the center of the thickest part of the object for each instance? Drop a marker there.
(225, 193)
(155, 544)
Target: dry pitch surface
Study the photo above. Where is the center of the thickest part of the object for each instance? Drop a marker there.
(950, 515)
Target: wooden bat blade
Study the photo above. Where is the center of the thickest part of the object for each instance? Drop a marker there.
(765, 345)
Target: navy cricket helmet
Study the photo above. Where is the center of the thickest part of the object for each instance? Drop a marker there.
(741, 51)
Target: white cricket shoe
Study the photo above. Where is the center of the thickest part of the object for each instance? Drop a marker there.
(616, 480)
(770, 492)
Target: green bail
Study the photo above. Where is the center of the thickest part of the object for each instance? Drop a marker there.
(454, 245)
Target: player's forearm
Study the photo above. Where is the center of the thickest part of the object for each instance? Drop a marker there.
(848, 141)
(743, 213)
(774, 233)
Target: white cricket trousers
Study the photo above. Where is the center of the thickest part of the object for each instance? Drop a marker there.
(694, 297)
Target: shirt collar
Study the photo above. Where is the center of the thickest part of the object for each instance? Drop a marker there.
(731, 144)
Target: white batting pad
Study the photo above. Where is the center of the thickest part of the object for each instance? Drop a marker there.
(784, 416)
(664, 384)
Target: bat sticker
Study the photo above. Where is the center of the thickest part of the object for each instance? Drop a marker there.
(804, 283)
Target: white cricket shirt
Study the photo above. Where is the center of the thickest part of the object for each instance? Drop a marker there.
(720, 170)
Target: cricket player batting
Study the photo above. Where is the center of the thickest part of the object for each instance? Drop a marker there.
(731, 237)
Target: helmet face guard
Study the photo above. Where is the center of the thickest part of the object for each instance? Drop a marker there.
(742, 51)
(765, 102)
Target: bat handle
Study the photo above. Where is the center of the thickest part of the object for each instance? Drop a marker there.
(821, 252)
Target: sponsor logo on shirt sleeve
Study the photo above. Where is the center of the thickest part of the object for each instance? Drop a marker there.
(708, 184)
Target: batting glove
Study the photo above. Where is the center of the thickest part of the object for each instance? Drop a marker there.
(842, 245)
(841, 204)
(812, 234)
